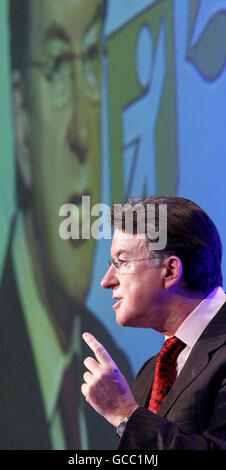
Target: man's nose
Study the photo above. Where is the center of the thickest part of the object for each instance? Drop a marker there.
(78, 130)
(110, 279)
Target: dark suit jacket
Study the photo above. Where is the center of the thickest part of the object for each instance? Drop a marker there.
(193, 415)
(23, 422)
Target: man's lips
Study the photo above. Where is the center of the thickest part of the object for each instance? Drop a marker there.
(117, 304)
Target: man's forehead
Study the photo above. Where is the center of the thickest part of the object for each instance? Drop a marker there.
(73, 17)
(123, 242)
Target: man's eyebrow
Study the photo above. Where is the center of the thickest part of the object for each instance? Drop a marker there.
(55, 31)
(119, 252)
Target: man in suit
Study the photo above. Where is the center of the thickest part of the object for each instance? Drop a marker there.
(178, 400)
(56, 52)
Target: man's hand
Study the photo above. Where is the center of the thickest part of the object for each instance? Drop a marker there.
(105, 388)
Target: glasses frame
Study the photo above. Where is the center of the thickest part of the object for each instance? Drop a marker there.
(72, 56)
(113, 262)
(50, 63)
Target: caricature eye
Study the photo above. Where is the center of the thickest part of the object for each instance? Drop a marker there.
(93, 52)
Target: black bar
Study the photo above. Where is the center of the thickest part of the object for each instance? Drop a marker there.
(113, 459)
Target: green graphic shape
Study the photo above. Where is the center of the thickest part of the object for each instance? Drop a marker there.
(124, 89)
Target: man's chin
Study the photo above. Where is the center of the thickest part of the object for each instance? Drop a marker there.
(122, 318)
(126, 319)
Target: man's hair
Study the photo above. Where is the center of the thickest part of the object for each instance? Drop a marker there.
(191, 235)
(19, 30)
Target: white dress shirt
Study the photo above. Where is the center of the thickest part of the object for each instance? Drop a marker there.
(193, 326)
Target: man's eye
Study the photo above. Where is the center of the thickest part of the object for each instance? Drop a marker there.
(123, 262)
(118, 263)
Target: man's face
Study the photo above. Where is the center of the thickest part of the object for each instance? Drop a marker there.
(65, 128)
(139, 290)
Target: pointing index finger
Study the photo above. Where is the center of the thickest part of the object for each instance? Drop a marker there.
(100, 352)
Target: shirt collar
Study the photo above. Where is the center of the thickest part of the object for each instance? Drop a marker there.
(49, 358)
(196, 322)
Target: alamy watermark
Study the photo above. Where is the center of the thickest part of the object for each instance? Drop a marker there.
(150, 222)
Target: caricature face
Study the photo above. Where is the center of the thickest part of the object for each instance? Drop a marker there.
(64, 122)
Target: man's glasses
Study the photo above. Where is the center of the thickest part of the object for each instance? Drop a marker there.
(125, 266)
(59, 73)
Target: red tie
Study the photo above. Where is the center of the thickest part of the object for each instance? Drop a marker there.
(69, 401)
(165, 372)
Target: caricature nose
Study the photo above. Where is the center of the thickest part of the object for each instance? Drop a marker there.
(77, 137)
(78, 131)
(110, 279)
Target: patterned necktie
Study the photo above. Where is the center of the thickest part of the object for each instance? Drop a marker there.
(68, 405)
(165, 372)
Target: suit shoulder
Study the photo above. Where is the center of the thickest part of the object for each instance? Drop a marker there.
(150, 363)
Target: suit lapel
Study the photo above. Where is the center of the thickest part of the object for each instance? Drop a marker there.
(144, 381)
(192, 368)
(213, 337)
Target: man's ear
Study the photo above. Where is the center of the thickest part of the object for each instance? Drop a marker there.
(172, 271)
(22, 128)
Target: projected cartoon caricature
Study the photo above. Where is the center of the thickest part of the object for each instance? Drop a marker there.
(56, 57)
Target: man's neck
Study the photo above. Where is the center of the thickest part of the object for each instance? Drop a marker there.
(179, 307)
